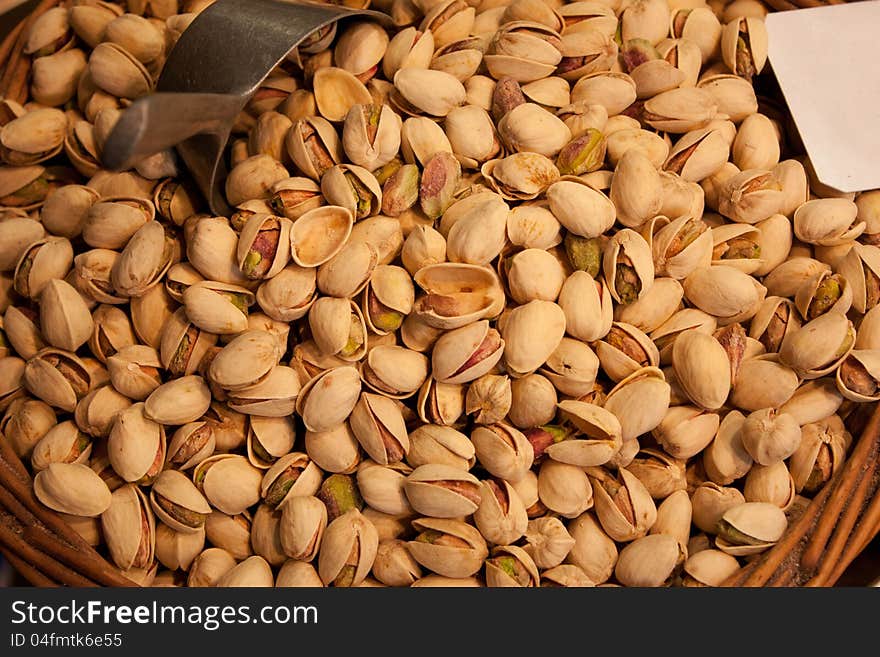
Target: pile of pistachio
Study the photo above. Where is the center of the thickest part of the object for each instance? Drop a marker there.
(516, 293)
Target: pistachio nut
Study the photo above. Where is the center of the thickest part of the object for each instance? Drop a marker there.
(450, 548)
(72, 488)
(129, 528)
(348, 550)
(303, 522)
(229, 482)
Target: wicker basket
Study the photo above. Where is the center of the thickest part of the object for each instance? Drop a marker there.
(821, 542)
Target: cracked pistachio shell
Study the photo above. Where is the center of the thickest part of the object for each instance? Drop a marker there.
(25, 422)
(33, 137)
(371, 135)
(612, 90)
(209, 566)
(290, 476)
(441, 491)
(531, 333)
(585, 52)
(648, 143)
(465, 354)
(661, 473)
(183, 345)
(787, 277)
(750, 196)
(269, 438)
(501, 516)
(264, 246)
(498, 565)
(532, 129)
(757, 143)
(327, 400)
(346, 274)
(177, 551)
(230, 533)
(533, 226)
(409, 47)
(639, 402)
(111, 331)
(350, 537)
(178, 401)
(625, 349)
(750, 528)
(856, 377)
(211, 250)
(273, 397)
(710, 501)
(520, 176)
(63, 443)
(725, 459)
(424, 246)
(55, 376)
(394, 371)
(627, 256)
(612, 495)
(136, 445)
(382, 487)
(724, 292)
(699, 154)
(422, 138)
(709, 568)
(116, 71)
(190, 445)
(16, 236)
(353, 188)
(649, 561)
(774, 239)
(593, 551)
(448, 21)
(320, 234)
(686, 430)
(289, 295)
(338, 328)
(824, 292)
(770, 436)
(457, 294)
(479, 235)
(772, 484)
(534, 274)
(735, 96)
(314, 146)
(681, 110)
(702, 369)
(72, 488)
(292, 198)
(394, 565)
(597, 438)
(129, 528)
(564, 489)
(64, 316)
(655, 307)
(434, 93)
(581, 209)
(636, 189)
(438, 547)
(821, 453)
(245, 361)
(388, 298)
(548, 542)
(303, 522)
(229, 483)
(471, 135)
(572, 368)
(217, 308)
(253, 572)
(827, 222)
(763, 381)
(378, 424)
(434, 443)
(587, 306)
(859, 267)
(41, 262)
(503, 451)
(337, 91)
(819, 346)
(744, 45)
(178, 503)
(566, 575)
(144, 260)
(298, 574)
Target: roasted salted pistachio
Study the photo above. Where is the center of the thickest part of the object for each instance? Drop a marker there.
(508, 293)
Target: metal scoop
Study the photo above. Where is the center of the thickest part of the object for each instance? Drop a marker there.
(214, 69)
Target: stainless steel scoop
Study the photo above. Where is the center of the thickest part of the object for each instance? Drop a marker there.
(214, 69)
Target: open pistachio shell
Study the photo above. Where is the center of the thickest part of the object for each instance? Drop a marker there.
(319, 234)
(129, 528)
